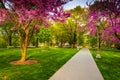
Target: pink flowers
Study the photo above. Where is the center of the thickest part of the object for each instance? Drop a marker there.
(26, 15)
(3, 14)
(108, 19)
(36, 27)
(113, 39)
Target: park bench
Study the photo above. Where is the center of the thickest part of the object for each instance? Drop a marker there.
(80, 67)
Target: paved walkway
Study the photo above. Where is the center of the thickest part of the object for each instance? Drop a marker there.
(80, 67)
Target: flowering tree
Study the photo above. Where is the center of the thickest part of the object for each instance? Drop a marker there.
(107, 14)
(104, 18)
(96, 27)
(27, 16)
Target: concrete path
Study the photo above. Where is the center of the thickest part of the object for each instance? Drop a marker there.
(80, 67)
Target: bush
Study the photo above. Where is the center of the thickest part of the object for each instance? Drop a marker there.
(117, 46)
(3, 44)
(15, 41)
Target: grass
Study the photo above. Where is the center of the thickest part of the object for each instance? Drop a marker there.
(49, 61)
(109, 64)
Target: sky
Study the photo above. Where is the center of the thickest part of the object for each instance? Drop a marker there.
(74, 3)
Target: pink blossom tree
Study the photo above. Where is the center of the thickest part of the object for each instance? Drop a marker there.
(28, 15)
(106, 13)
(109, 10)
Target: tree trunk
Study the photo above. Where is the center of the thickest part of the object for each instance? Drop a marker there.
(9, 40)
(36, 43)
(99, 42)
(61, 45)
(24, 42)
(23, 52)
(73, 45)
(2, 4)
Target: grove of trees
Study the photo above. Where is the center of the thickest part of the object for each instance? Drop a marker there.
(30, 22)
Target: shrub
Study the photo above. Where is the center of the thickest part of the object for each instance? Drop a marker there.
(3, 44)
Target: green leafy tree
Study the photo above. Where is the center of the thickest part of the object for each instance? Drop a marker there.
(77, 23)
(59, 33)
(73, 28)
(7, 33)
(44, 35)
(2, 42)
(92, 41)
(71, 32)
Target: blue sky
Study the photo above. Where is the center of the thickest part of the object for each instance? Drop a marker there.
(74, 3)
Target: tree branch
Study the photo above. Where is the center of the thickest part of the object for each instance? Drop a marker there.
(2, 4)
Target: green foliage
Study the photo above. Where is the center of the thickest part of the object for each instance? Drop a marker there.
(15, 40)
(59, 32)
(109, 64)
(79, 14)
(78, 22)
(71, 31)
(65, 32)
(49, 61)
(7, 33)
(33, 39)
(93, 41)
(80, 38)
(117, 46)
(2, 43)
(44, 34)
(80, 41)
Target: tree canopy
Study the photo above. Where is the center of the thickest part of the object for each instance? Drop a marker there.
(28, 15)
(107, 14)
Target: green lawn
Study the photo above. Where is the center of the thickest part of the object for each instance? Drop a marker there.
(109, 64)
(49, 61)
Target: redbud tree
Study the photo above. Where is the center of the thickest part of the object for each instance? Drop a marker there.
(105, 16)
(28, 15)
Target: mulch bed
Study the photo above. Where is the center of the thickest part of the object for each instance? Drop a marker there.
(26, 62)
